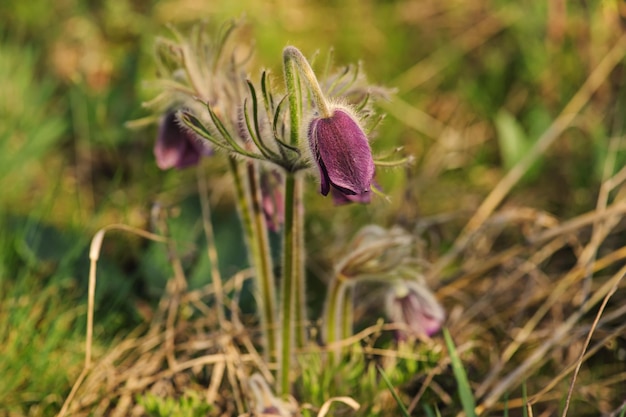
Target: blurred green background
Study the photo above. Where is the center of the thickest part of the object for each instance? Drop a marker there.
(477, 83)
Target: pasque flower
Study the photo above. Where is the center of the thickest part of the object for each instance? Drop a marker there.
(343, 155)
(177, 147)
(376, 253)
(413, 305)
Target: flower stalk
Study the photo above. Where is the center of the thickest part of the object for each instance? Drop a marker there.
(292, 58)
(293, 279)
(248, 194)
(335, 307)
(298, 264)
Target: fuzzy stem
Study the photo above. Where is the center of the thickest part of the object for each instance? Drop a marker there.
(255, 231)
(292, 56)
(290, 249)
(299, 276)
(291, 83)
(334, 304)
(292, 289)
(347, 313)
(216, 276)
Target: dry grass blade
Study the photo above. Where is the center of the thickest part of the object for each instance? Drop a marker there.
(145, 361)
(542, 395)
(588, 340)
(94, 255)
(345, 400)
(558, 336)
(562, 122)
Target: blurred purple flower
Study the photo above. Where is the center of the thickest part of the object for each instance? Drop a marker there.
(343, 156)
(272, 199)
(413, 305)
(177, 147)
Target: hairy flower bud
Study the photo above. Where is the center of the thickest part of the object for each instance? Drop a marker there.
(177, 147)
(413, 305)
(343, 155)
(376, 253)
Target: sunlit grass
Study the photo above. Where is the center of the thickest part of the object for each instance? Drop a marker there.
(41, 343)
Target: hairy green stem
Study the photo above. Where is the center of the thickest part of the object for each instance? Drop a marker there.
(299, 276)
(255, 230)
(334, 307)
(292, 83)
(347, 312)
(292, 291)
(287, 291)
(292, 56)
(216, 277)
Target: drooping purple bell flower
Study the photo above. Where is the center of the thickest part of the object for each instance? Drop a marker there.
(343, 156)
(413, 305)
(177, 147)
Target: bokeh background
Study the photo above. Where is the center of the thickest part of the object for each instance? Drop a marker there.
(477, 83)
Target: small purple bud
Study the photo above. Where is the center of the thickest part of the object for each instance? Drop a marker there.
(343, 156)
(413, 305)
(177, 147)
(272, 200)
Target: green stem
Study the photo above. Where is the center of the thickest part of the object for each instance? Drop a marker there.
(287, 290)
(216, 276)
(299, 276)
(255, 230)
(334, 304)
(292, 56)
(293, 279)
(347, 313)
(292, 83)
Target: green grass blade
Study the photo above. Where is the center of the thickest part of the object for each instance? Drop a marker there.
(524, 400)
(428, 411)
(396, 397)
(506, 405)
(465, 392)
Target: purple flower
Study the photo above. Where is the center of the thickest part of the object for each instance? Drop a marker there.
(176, 146)
(343, 156)
(272, 200)
(413, 305)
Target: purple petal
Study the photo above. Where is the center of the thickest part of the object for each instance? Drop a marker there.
(414, 305)
(340, 199)
(342, 153)
(175, 146)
